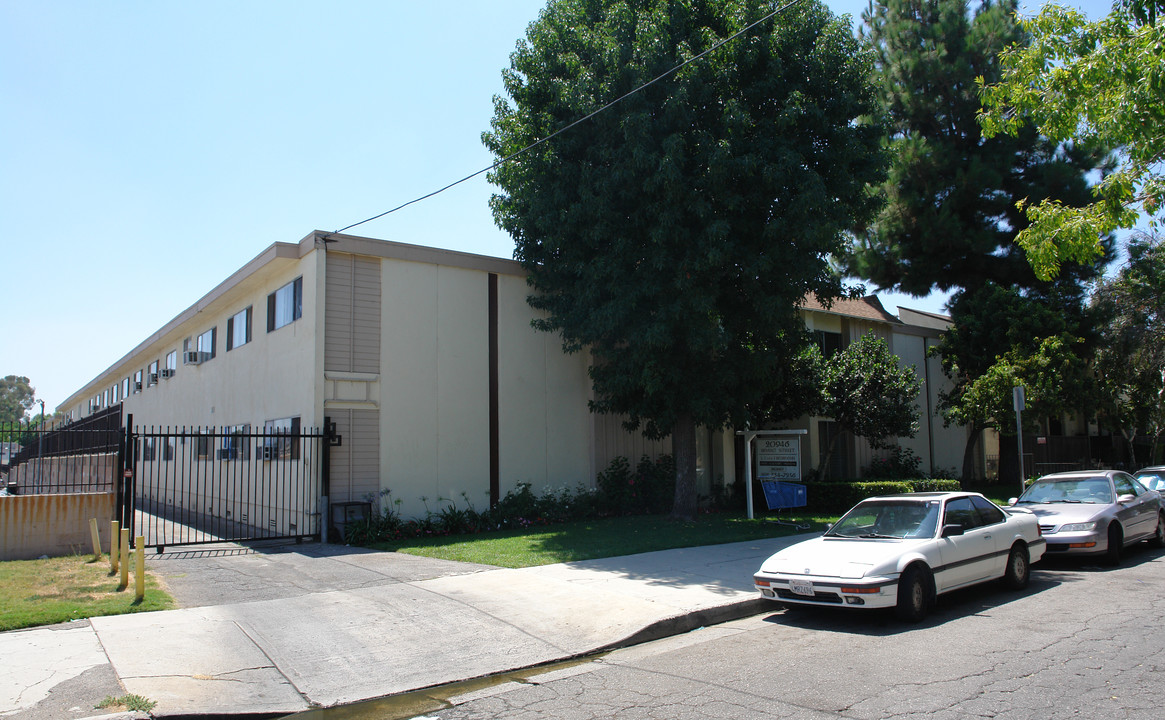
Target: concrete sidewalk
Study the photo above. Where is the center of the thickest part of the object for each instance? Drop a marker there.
(282, 629)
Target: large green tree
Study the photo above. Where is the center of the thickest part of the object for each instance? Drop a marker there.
(674, 234)
(950, 215)
(996, 321)
(1081, 81)
(1130, 357)
(16, 397)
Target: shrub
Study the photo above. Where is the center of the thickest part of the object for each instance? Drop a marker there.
(900, 464)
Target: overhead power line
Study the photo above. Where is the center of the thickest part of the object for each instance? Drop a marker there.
(604, 108)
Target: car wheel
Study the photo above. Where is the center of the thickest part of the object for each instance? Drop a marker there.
(1018, 571)
(1158, 539)
(913, 595)
(1115, 540)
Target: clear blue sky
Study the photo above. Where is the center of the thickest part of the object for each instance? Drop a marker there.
(150, 149)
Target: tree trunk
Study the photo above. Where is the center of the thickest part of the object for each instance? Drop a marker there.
(1129, 438)
(969, 454)
(683, 444)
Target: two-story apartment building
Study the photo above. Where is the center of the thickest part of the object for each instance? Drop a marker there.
(427, 362)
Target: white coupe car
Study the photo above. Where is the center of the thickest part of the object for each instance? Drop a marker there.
(902, 551)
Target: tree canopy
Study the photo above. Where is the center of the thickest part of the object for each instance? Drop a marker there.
(1130, 357)
(674, 235)
(1085, 82)
(950, 215)
(16, 397)
(868, 394)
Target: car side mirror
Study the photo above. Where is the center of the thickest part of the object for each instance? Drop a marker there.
(1012, 501)
(952, 530)
(1126, 499)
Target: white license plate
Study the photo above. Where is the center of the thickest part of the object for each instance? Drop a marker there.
(801, 587)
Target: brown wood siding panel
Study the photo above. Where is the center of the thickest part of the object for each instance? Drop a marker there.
(352, 315)
(355, 470)
(612, 441)
(366, 315)
(338, 295)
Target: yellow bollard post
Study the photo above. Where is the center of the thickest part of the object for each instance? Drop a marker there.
(114, 534)
(124, 547)
(139, 567)
(96, 539)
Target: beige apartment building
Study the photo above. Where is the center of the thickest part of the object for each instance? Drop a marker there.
(426, 361)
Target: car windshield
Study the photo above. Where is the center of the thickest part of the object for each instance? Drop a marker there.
(1076, 490)
(888, 519)
(1153, 481)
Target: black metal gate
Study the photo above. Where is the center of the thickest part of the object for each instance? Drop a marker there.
(188, 486)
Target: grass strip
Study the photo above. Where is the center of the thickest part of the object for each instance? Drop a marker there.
(597, 538)
(56, 590)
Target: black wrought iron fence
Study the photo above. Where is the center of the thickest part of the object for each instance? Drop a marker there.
(202, 485)
(79, 457)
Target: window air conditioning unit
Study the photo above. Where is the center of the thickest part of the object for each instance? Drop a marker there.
(167, 372)
(269, 452)
(194, 357)
(137, 387)
(228, 454)
(153, 378)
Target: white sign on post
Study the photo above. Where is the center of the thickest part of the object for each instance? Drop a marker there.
(779, 458)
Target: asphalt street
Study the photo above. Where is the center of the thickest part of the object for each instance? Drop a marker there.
(1081, 642)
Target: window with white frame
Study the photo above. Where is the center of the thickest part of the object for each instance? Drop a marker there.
(239, 329)
(281, 439)
(171, 364)
(285, 305)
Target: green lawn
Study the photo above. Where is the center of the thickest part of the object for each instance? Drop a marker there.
(55, 590)
(592, 539)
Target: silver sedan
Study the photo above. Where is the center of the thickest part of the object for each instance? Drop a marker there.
(1094, 512)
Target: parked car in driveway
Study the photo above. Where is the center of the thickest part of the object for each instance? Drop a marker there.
(1095, 512)
(902, 551)
(1151, 477)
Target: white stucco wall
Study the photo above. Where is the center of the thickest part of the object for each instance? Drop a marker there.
(268, 378)
(545, 426)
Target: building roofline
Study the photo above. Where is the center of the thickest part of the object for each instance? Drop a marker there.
(294, 251)
(412, 253)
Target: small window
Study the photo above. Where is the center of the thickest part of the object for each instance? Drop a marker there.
(152, 374)
(206, 342)
(171, 364)
(989, 514)
(106, 398)
(1124, 484)
(285, 305)
(137, 382)
(125, 388)
(201, 446)
(281, 439)
(239, 329)
(149, 446)
(115, 392)
(236, 443)
(828, 342)
(961, 512)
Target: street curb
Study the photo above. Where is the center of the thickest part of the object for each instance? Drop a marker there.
(687, 622)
